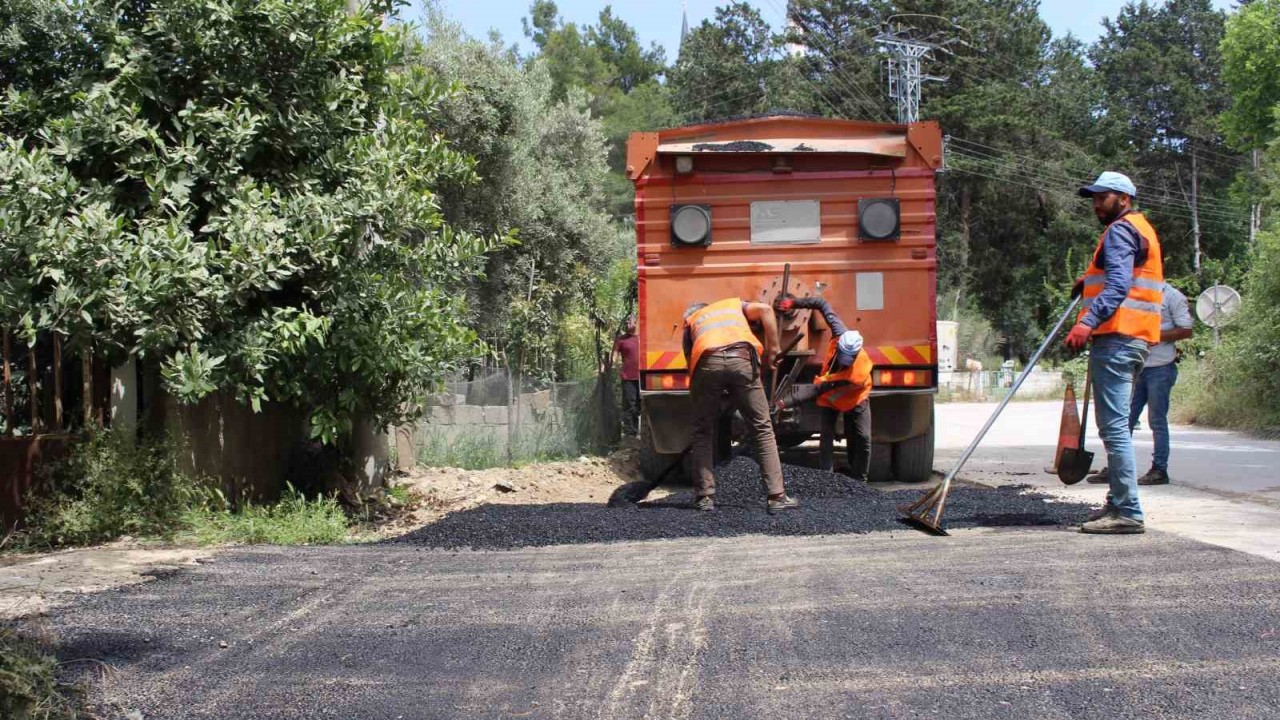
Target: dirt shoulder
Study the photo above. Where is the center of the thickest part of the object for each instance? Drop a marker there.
(440, 491)
(32, 584)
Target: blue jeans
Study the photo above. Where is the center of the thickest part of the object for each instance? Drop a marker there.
(1115, 361)
(1152, 390)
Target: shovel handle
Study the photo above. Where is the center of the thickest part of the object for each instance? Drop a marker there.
(1084, 415)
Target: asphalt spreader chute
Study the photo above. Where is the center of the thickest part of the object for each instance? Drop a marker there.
(926, 513)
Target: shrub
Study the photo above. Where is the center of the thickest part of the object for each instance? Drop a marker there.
(106, 487)
(29, 689)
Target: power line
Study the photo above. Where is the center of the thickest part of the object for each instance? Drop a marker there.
(1166, 197)
(1050, 183)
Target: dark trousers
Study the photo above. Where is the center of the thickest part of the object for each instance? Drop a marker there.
(857, 432)
(630, 406)
(719, 374)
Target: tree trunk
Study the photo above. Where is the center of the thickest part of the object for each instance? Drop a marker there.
(962, 252)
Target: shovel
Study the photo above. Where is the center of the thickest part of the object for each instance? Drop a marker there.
(1075, 462)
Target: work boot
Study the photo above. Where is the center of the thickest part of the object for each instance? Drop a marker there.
(1154, 476)
(1107, 510)
(1099, 478)
(705, 503)
(1113, 525)
(786, 502)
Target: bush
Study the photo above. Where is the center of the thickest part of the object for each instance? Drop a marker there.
(29, 689)
(1237, 385)
(106, 487)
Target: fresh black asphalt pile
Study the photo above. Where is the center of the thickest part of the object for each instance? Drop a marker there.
(831, 504)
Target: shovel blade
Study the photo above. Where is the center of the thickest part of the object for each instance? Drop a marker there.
(1074, 464)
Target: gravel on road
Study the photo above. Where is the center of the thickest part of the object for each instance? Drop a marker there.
(831, 504)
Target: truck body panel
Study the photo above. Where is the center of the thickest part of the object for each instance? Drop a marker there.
(785, 191)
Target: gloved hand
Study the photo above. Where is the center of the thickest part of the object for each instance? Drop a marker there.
(785, 305)
(1078, 289)
(1079, 336)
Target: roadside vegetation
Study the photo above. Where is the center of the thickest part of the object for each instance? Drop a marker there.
(29, 685)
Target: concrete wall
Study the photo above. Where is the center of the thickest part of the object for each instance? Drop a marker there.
(994, 384)
(450, 419)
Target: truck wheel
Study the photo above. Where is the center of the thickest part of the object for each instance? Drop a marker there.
(653, 464)
(913, 458)
(881, 463)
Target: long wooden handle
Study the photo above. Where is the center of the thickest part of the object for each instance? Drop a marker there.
(1084, 416)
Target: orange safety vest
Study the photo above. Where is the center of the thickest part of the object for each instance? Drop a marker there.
(1139, 314)
(855, 381)
(719, 325)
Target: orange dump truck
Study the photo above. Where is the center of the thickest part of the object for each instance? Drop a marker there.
(722, 210)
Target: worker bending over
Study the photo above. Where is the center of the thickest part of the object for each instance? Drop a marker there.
(843, 387)
(724, 359)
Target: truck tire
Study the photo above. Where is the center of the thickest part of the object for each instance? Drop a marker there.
(913, 458)
(881, 463)
(653, 464)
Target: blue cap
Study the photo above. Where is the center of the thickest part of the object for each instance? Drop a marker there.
(847, 347)
(1110, 182)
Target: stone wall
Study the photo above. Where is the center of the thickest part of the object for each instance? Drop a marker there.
(450, 419)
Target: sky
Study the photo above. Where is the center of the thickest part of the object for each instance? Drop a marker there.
(660, 19)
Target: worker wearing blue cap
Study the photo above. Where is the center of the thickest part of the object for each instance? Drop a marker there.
(843, 387)
(1122, 289)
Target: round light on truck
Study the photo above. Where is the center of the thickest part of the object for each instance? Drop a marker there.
(878, 219)
(690, 225)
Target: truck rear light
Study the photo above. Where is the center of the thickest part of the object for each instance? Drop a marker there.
(667, 381)
(903, 378)
(690, 225)
(879, 219)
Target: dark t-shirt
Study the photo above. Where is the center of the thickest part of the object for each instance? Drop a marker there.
(628, 346)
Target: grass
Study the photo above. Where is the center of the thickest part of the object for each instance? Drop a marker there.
(29, 687)
(481, 450)
(294, 520)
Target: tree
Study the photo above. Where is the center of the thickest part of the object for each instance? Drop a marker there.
(542, 164)
(1161, 71)
(243, 194)
(632, 66)
(725, 66)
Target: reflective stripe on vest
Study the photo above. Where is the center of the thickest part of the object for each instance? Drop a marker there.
(855, 379)
(719, 325)
(1139, 313)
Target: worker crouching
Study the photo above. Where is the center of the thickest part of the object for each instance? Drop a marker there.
(724, 359)
(842, 388)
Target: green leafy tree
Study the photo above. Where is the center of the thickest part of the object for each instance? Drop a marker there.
(542, 163)
(1251, 72)
(243, 195)
(726, 66)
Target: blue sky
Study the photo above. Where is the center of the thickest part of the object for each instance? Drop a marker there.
(660, 19)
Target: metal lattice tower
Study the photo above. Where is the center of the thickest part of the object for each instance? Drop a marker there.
(904, 75)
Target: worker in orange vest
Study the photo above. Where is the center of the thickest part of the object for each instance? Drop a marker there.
(842, 387)
(1122, 290)
(724, 358)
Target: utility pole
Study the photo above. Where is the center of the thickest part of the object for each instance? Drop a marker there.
(904, 75)
(1255, 210)
(1195, 212)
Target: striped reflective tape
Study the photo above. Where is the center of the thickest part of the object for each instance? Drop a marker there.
(665, 361)
(900, 354)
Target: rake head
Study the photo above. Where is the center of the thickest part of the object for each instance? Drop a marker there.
(926, 513)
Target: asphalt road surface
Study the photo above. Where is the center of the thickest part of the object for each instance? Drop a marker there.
(1027, 622)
